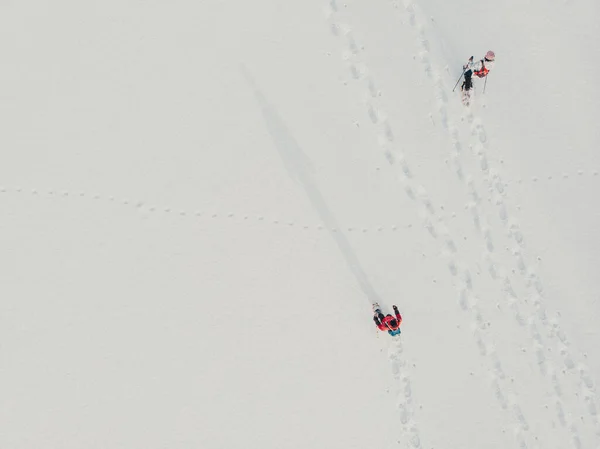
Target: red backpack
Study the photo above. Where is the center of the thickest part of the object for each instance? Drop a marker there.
(483, 72)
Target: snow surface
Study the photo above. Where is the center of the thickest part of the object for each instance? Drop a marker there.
(200, 200)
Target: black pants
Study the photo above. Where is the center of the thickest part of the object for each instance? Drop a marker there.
(468, 83)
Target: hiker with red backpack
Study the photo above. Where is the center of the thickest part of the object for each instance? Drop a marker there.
(388, 323)
(480, 69)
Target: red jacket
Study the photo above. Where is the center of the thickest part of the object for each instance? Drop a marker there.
(385, 323)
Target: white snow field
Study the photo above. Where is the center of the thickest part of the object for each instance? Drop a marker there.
(199, 201)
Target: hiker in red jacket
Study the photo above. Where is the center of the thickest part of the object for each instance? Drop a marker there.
(387, 322)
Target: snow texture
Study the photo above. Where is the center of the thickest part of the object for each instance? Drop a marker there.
(199, 202)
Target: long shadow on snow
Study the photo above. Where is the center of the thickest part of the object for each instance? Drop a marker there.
(300, 169)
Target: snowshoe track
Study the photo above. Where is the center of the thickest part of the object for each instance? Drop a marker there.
(384, 135)
(528, 309)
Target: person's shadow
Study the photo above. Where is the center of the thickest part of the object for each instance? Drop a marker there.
(300, 169)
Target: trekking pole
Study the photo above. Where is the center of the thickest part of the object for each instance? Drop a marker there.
(461, 75)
